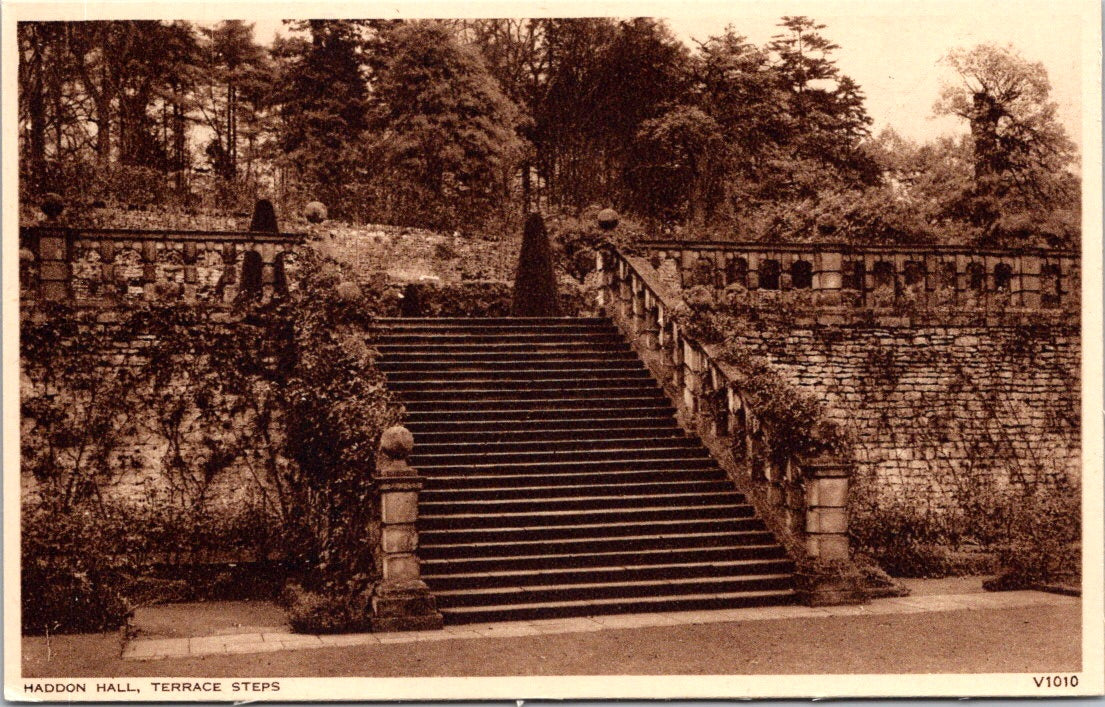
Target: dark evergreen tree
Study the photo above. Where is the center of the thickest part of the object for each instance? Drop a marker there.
(324, 99)
(535, 280)
(446, 127)
(264, 217)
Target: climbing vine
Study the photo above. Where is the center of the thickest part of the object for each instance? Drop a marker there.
(797, 420)
(249, 430)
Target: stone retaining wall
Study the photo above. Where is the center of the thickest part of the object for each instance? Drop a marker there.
(935, 408)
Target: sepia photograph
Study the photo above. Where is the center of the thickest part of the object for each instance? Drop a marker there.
(522, 352)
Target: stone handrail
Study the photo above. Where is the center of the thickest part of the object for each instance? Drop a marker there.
(101, 267)
(803, 499)
(956, 277)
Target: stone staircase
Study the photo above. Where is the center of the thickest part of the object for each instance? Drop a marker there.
(558, 482)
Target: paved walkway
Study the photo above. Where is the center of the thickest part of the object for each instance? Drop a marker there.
(270, 639)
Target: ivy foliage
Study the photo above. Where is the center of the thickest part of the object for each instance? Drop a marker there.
(797, 420)
(284, 394)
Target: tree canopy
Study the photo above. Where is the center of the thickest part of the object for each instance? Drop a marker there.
(468, 124)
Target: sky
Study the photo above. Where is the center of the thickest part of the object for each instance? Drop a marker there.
(895, 56)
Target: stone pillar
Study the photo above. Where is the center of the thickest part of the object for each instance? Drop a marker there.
(828, 278)
(149, 269)
(191, 273)
(108, 276)
(692, 378)
(55, 248)
(268, 270)
(401, 601)
(1031, 285)
(637, 304)
(826, 481)
(651, 329)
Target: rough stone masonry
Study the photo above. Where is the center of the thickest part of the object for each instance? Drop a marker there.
(933, 406)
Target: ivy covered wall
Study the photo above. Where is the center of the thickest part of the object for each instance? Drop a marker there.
(934, 410)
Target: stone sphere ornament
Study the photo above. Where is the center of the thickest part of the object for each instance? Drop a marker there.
(608, 219)
(396, 442)
(315, 212)
(52, 205)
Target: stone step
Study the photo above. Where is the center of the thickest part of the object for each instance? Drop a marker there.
(734, 552)
(609, 573)
(419, 383)
(555, 493)
(509, 506)
(539, 401)
(478, 339)
(702, 536)
(559, 456)
(650, 419)
(511, 348)
(584, 476)
(618, 605)
(585, 531)
(659, 429)
(511, 322)
(412, 366)
(612, 589)
(440, 420)
(522, 517)
(576, 443)
(448, 394)
(551, 469)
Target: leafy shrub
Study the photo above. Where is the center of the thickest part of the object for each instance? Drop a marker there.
(1033, 531)
(470, 298)
(70, 582)
(327, 612)
(1043, 544)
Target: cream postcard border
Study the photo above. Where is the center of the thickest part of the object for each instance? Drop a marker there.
(1091, 680)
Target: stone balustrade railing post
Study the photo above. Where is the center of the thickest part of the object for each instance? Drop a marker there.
(637, 304)
(55, 255)
(826, 505)
(191, 272)
(401, 601)
(650, 330)
(693, 371)
(149, 269)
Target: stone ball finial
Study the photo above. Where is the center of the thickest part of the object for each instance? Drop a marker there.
(396, 442)
(315, 212)
(608, 219)
(52, 205)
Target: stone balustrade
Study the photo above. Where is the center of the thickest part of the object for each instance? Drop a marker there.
(839, 275)
(804, 499)
(106, 267)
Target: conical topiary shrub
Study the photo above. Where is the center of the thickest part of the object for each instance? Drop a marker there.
(264, 217)
(535, 281)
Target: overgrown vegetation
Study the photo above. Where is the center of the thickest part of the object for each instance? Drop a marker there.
(1008, 507)
(1026, 535)
(796, 418)
(165, 435)
(468, 124)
